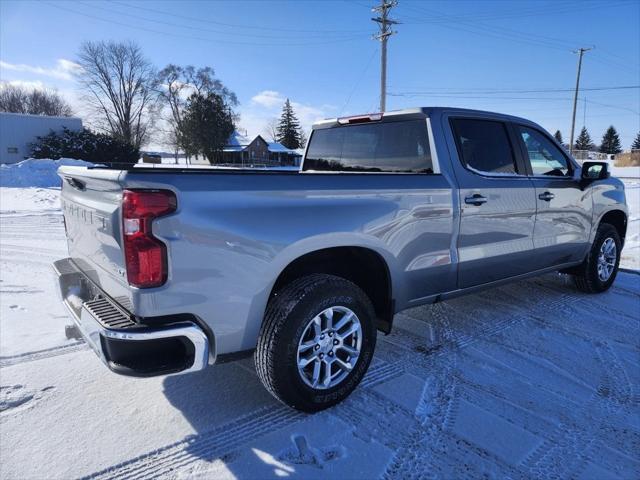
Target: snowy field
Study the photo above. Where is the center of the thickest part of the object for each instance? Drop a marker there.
(531, 380)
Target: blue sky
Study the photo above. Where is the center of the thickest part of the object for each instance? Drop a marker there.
(504, 56)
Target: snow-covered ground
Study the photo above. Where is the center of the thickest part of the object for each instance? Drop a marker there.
(531, 380)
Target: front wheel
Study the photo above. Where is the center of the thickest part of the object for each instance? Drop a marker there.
(600, 268)
(316, 342)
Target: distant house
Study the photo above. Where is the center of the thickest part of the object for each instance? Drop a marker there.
(244, 151)
(18, 131)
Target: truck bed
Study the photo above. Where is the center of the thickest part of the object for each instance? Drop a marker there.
(234, 232)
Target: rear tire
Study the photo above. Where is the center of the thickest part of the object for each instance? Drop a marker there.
(288, 339)
(599, 270)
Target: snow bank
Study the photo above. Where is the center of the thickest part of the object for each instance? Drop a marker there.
(29, 201)
(625, 172)
(35, 172)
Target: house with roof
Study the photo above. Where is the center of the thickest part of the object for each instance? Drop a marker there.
(245, 151)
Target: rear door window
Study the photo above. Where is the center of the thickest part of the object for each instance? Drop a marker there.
(400, 147)
(544, 156)
(484, 146)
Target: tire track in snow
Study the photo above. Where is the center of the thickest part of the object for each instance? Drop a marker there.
(217, 442)
(440, 407)
(434, 415)
(567, 451)
(210, 445)
(41, 354)
(31, 251)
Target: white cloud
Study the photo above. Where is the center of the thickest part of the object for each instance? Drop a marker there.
(268, 99)
(29, 85)
(64, 69)
(267, 104)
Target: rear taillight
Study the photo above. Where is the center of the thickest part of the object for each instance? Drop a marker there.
(145, 256)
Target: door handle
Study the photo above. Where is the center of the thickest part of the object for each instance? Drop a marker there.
(475, 199)
(546, 196)
(75, 183)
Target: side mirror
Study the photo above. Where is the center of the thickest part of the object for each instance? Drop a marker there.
(592, 171)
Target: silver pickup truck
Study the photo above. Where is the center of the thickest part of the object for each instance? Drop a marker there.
(171, 270)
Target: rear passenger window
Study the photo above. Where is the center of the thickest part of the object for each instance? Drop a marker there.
(401, 147)
(484, 145)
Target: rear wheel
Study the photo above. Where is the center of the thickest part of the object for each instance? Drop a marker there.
(600, 268)
(316, 342)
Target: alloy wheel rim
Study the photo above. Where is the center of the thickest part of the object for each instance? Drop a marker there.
(607, 259)
(329, 347)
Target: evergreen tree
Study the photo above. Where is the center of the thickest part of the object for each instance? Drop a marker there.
(558, 137)
(610, 141)
(583, 142)
(289, 127)
(208, 123)
(636, 143)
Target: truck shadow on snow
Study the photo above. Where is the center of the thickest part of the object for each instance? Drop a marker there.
(232, 414)
(217, 394)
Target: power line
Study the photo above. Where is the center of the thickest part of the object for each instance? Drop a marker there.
(520, 99)
(192, 37)
(501, 91)
(373, 54)
(202, 29)
(490, 97)
(538, 40)
(209, 21)
(557, 8)
(613, 106)
(446, 21)
(384, 24)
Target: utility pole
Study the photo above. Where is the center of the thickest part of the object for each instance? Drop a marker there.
(580, 53)
(384, 24)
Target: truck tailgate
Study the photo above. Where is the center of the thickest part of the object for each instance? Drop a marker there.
(91, 200)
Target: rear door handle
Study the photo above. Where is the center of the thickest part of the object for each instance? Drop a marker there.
(475, 199)
(546, 196)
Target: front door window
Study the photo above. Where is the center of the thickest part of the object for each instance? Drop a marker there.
(545, 157)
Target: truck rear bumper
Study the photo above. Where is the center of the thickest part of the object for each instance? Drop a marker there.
(125, 346)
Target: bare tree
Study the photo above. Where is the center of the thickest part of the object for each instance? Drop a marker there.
(120, 87)
(303, 138)
(175, 85)
(271, 129)
(17, 99)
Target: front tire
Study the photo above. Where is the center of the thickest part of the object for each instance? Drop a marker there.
(316, 342)
(599, 270)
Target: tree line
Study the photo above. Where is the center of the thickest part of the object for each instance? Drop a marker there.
(129, 100)
(609, 144)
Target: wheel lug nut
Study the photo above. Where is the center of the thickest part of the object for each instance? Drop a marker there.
(321, 356)
(321, 337)
(331, 334)
(331, 353)
(317, 347)
(335, 342)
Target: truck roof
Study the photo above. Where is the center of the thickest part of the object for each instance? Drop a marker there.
(416, 112)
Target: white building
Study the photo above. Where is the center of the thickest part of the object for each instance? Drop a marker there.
(18, 130)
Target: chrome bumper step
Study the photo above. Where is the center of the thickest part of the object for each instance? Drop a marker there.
(123, 345)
